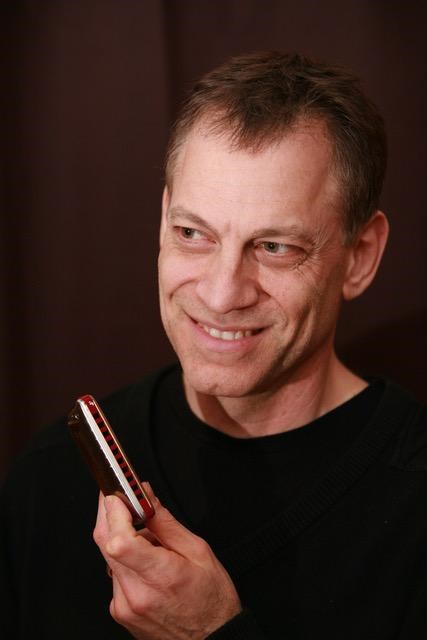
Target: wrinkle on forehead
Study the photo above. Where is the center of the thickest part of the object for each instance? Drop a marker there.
(205, 128)
(261, 190)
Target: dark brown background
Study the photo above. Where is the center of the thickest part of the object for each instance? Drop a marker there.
(89, 88)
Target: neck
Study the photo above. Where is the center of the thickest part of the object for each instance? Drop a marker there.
(298, 401)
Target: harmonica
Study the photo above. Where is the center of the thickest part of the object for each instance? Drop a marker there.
(107, 460)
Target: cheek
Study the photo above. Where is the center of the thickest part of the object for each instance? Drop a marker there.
(291, 293)
(325, 295)
(170, 273)
(176, 270)
(300, 295)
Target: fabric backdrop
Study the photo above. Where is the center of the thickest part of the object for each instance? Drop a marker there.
(89, 89)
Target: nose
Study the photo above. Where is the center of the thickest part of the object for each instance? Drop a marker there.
(228, 283)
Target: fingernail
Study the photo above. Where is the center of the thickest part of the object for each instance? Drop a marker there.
(149, 491)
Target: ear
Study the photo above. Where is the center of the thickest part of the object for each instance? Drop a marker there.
(165, 206)
(365, 256)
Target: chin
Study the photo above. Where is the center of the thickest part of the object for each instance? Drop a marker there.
(232, 382)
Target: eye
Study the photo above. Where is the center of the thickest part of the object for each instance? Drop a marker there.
(189, 239)
(279, 254)
(277, 248)
(189, 233)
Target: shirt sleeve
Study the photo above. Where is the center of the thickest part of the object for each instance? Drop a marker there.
(241, 627)
(9, 614)
(415, 622)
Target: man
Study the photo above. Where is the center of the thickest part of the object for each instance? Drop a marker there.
(295, 489)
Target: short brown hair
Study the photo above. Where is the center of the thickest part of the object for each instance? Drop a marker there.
(257, 98)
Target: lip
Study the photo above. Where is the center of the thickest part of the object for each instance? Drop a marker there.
(222, 345)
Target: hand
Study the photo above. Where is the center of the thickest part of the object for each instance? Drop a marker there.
(167, 583)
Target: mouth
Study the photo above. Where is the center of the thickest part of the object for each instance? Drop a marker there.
(228, 335)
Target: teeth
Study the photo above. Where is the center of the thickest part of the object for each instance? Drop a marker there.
(226, 335)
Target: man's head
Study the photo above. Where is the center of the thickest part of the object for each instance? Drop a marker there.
(256, 99)
(257, 248)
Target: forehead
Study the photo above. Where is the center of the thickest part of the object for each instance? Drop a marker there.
(293, 176)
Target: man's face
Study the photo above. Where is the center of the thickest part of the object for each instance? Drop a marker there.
(252, 261)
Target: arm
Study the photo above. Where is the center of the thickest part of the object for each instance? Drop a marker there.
(8, 604)
(167, 583)
(415, 622)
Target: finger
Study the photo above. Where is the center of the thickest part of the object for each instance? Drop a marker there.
(101, 515)
(123, 544)
(117, 514)
(149, 536)
(102, 537)
(150, 493)
(119, 523)
(119, 604)
(172, 534)
(100, 532)
(128, 611)
(137, 553)
(103, 534)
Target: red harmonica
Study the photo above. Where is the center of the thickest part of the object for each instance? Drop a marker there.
(106, 458)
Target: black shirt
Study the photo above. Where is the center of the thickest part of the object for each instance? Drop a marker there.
(235, 482)
(323, 529)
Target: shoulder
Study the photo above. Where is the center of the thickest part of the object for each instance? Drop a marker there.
(399, 408)
(52, 448)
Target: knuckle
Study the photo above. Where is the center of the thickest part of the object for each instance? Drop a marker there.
(126, 612)
(137, 605)
(117, 613)
(97, 536)
(116, 546)
(201, 548)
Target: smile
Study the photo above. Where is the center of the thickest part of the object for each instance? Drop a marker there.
(228, 335)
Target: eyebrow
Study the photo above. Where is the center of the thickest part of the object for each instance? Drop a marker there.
(176, 213)
(293, 230)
